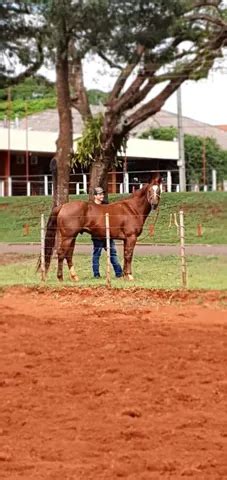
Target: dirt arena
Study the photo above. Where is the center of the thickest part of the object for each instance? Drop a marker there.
(103, 385)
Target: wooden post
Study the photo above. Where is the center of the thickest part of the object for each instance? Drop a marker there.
(182, 250)
(43, 276)
(199, 230)
(107, 221)
(26, 229)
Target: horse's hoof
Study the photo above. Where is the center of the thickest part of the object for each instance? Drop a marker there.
(60, 279)
(73, 274)
(129, 277)
(74, 278)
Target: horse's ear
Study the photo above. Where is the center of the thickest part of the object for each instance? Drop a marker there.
(155, 178)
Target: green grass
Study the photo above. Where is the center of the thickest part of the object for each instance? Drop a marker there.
(206, 208)
(155, 272)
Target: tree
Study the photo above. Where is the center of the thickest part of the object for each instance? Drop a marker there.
(197, 149)
(149, 49)
(151, 43)
(20, 41)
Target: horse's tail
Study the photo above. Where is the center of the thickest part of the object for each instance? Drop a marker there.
(51, 230)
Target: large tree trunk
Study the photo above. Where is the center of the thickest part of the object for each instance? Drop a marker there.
(64, 142)
(111, 140)
(104, 159)
(99, 176)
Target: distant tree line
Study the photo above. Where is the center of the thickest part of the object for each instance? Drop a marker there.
(34, 95)
(202, 154)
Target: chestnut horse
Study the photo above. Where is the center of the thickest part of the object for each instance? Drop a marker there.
(126, 219)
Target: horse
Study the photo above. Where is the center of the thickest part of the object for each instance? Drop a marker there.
(126, 220)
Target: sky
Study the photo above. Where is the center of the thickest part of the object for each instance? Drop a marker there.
(204, 100)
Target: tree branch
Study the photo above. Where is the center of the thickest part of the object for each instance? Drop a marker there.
(207, 18)
(125, 73)
(9, 81)
(108, 61)
(76, 80)
(202, 4)
(134, 94)
(154, 105)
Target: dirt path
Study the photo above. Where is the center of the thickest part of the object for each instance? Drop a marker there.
(100, 385)
(139, 249)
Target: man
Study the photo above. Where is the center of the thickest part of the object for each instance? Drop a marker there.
(99, 244)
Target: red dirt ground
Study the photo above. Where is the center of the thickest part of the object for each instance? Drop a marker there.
(99, 384)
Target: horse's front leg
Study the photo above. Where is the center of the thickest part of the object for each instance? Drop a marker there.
(129, 245)
(69, 257)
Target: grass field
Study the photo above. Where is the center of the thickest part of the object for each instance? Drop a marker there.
(208, 209)
(156, 272)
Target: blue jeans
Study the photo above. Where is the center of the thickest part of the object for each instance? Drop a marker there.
(98, 245)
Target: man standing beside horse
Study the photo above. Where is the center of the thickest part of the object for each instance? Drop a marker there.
(99, 244)
(127, 218)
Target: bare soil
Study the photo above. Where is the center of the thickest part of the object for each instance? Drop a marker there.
(99, 384)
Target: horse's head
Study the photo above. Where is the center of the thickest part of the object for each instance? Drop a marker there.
(154, 191)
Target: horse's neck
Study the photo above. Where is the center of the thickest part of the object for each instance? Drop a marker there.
(140, 203)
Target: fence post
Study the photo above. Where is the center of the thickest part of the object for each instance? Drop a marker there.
(121, 188)
(9, 186)
(182, 250)
(84, 183)
(169, 181)
(177, 188)
(77, 188)
(28, 189)
(126, 182)
(2, 188)
(46, 185)
(214, 180)
(108, 283)
(42, 253)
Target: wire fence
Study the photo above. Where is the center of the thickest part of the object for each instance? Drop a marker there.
(205, 216)
(156, 261)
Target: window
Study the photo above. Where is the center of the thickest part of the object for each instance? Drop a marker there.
(20, 159)
(34, 160)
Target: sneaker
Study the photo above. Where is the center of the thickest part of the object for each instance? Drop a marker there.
(97, 276)
(119, 275)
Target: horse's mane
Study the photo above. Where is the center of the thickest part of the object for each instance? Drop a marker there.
(136, 193)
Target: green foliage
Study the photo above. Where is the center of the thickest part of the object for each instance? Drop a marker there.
(35, 94)
(197, 149)
(28, 97)
(20, 40)
(30, 88)
(90, 143)
(19, 108)
(161, 133)
(96, 97)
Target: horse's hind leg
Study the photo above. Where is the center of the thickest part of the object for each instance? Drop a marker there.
(69, 257)
(61, 257)
(129, 245)
(62, 253)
